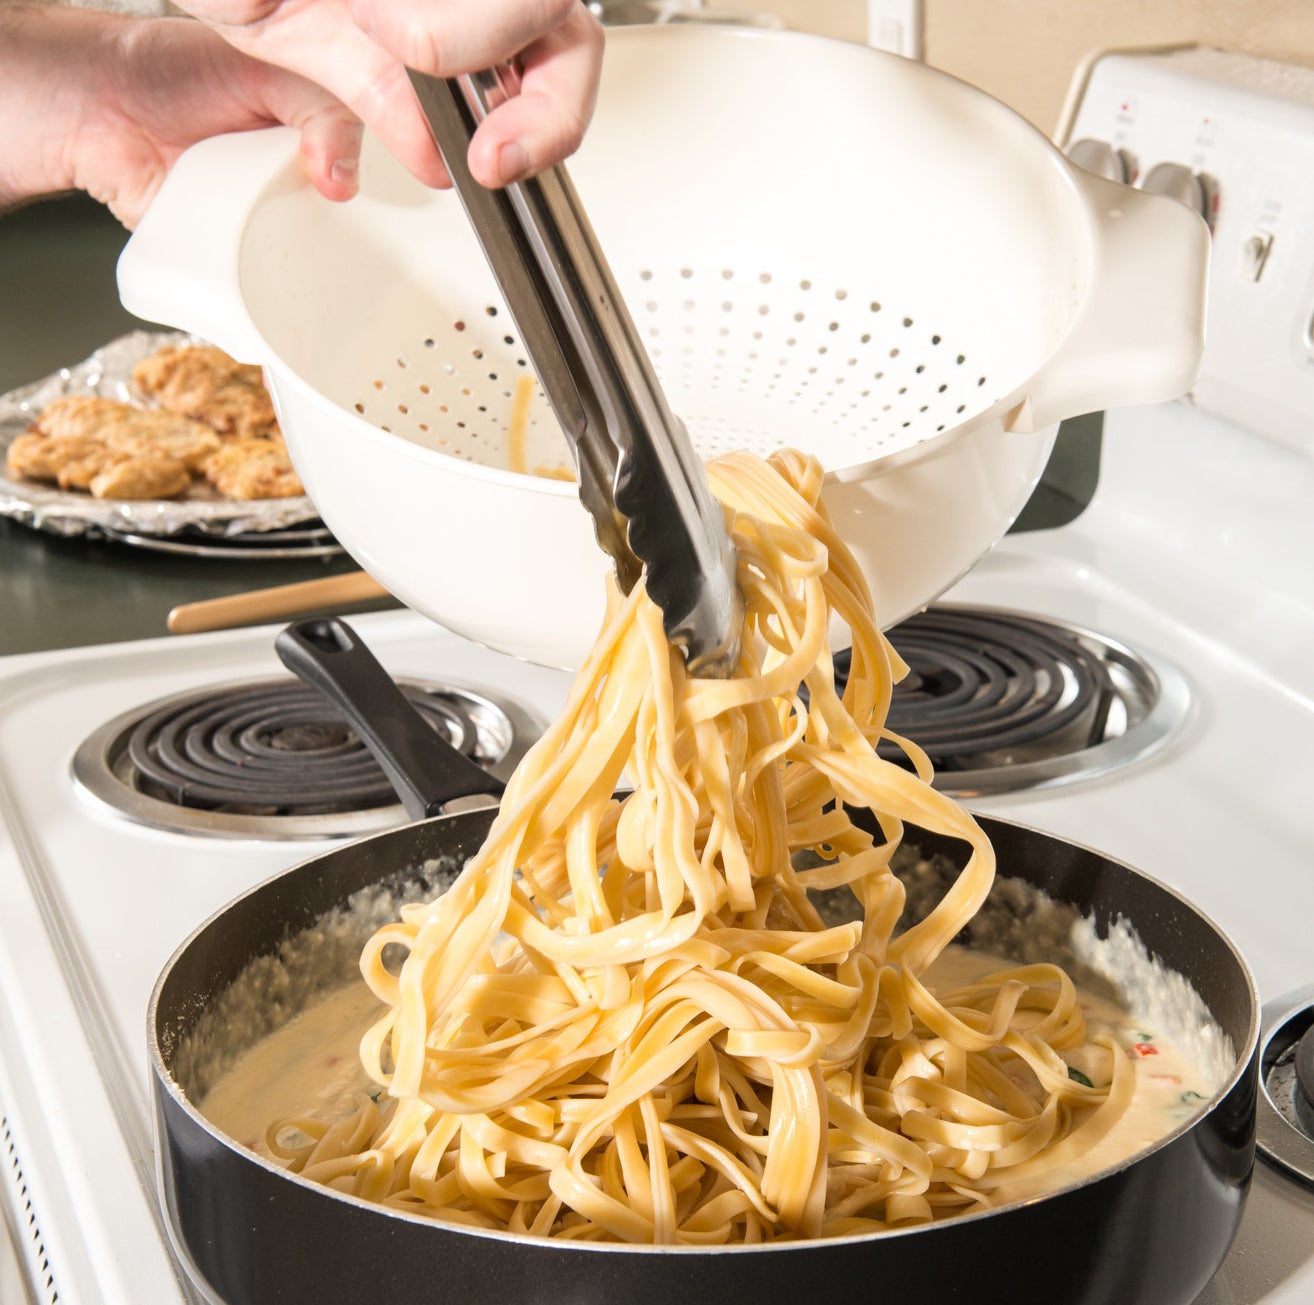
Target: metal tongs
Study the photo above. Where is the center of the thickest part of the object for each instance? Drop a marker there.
(639, 476)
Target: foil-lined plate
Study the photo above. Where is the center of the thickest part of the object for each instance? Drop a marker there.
(190, 521)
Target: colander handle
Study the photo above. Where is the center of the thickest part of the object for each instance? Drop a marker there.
(181, 267)
(1139, 336)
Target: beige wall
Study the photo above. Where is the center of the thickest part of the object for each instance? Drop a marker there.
(1026, 52)
(846, 19)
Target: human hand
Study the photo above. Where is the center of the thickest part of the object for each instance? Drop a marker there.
(360, 49)
(103, 103)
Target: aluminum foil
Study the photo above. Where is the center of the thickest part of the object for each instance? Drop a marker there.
(108, 373)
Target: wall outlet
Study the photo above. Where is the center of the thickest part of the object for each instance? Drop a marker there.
(895, 25)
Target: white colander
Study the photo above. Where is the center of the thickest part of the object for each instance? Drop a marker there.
(823, 246)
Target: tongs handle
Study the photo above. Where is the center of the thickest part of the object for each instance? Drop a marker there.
(639, 476)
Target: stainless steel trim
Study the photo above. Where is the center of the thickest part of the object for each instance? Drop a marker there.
(1155, 692)
(317, 544)
(100, 773)
(1277, 1138)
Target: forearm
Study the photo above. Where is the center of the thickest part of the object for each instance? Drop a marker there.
(53, 70)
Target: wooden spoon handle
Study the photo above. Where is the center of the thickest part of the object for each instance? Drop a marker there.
(274, 604)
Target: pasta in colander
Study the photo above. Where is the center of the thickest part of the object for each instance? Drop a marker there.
(627, 1020)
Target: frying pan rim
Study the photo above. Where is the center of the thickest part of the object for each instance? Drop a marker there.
(1245, 1059)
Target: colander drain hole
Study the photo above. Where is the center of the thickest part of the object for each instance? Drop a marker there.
(816, 358)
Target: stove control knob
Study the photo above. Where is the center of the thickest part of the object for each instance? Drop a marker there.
(1101, 158)
(1178, 182)
(1254, 254)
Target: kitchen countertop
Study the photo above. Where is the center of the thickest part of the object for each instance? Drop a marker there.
(59, 302)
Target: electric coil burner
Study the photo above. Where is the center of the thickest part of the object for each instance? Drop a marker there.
(1002, 701)
(270, 759)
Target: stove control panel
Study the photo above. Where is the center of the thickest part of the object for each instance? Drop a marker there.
(1233, 137)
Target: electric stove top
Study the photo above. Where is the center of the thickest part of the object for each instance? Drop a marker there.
(92, 901)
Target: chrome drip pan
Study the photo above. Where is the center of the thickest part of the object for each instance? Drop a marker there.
(267, 759)
(1004, 700)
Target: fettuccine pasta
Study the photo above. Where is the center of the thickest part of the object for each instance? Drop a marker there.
(628, 1021)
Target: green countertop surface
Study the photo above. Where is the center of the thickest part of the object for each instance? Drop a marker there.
(58, 303)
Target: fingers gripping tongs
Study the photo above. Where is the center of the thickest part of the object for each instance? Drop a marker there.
(639, 476)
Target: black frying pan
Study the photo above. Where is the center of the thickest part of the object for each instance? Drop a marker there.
(1150, 1232)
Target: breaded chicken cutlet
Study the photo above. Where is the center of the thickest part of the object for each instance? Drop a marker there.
(215, 424)
(253, 468)
(204, 383)
(111, 449)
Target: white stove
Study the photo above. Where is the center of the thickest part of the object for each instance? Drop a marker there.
(1197, 551)
(1191, 553)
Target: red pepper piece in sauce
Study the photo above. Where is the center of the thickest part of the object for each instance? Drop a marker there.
(1145, 1049)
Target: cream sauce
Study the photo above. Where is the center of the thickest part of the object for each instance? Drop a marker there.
(310, 1067)
(1169, 1088)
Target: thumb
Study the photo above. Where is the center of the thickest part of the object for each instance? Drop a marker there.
(330, 133)
(330, 151)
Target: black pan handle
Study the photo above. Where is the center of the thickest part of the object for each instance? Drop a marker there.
(427, 773)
